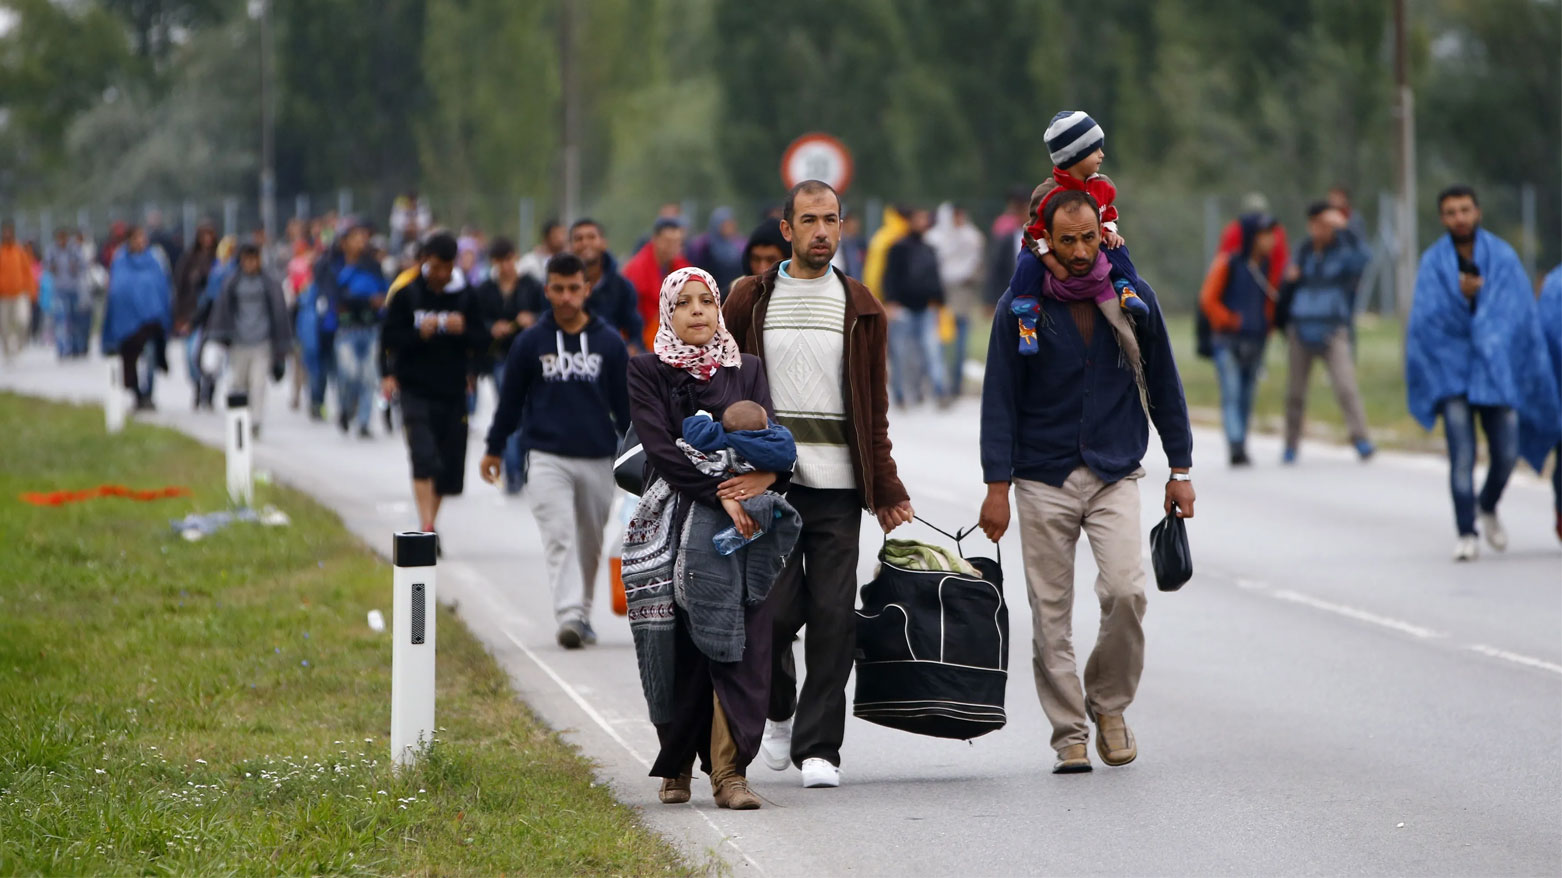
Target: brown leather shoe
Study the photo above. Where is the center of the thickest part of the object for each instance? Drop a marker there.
(735, 794)
(1114, 740)
(1073, 759)
(675, 790)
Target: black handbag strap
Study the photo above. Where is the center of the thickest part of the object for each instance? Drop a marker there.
(956, 537)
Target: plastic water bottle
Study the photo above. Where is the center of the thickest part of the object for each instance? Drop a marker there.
(729, 540)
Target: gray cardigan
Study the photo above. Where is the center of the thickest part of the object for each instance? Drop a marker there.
(714, 589)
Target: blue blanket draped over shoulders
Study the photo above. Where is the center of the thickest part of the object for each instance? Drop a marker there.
(1495, 356)
(137, 295)
(1535, 444)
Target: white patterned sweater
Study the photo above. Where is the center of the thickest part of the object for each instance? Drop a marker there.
(805, 342)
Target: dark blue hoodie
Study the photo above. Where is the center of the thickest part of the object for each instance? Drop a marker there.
(572, 390)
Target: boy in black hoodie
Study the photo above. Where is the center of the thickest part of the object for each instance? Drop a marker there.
(567, 378)
(434, 338)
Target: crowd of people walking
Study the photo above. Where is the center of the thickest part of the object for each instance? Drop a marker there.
(755, 375)
(1481, 346)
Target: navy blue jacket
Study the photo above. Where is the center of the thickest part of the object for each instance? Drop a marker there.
(1045, 415)
(574, 397)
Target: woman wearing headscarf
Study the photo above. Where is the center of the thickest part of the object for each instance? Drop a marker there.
(702, 706)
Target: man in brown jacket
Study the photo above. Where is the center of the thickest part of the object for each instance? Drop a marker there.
(823, 339)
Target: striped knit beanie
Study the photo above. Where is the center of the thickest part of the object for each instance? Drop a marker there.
(1071, 137)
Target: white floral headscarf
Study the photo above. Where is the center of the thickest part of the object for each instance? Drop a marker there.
(700, 361)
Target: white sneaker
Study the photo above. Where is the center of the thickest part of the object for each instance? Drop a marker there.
(1467, 549)
(820, 773)
(775, 747)
(1496, 537)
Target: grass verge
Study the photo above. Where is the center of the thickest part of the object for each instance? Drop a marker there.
(222, 707)
(1380, 376)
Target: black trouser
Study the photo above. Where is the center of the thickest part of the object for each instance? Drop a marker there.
(817, 588)
(130, 350)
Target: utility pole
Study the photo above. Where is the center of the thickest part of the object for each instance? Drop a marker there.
(571, 121)
(268, 171)
(1405, 168)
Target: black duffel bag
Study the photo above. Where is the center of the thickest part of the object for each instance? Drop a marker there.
(933, 650)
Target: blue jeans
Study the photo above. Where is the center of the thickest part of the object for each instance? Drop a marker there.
(324, 372)
(514, 456)
(1238, 362)
(915, 353)
(1501, 426)
(957, 365)
(73, 322)
(357, 370)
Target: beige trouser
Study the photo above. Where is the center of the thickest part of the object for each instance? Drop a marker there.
(1340, 363)
(16, 312)
(1051, 520)
(249, 368)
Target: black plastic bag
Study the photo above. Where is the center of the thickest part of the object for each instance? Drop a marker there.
(1169, 553)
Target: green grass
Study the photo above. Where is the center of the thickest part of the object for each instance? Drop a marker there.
(1379, 375)
(222, 707)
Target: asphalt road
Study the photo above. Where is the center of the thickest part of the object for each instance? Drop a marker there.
(1329, 695)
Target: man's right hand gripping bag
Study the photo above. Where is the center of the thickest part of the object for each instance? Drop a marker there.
(933, 650)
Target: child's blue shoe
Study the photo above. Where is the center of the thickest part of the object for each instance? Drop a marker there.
(1365, 449)
(1134, 305)
(1028, 310)
(1128, 299)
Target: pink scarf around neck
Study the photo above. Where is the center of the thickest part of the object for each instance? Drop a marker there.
(1093, 287)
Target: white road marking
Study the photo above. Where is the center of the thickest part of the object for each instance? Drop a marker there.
(607, 727)
(1359, 615)
(1396, 625)
(1514, 657)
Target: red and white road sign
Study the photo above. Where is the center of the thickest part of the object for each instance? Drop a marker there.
(817, 157)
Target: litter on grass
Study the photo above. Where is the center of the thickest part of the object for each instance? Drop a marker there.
(199, 526)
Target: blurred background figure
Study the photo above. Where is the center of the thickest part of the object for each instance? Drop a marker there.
(853, 252)
(913, 296)
(553, 241)
(190, 276)
(660, 256)
(1239, 302)
(18, 291)
(1317, 314)
(67, 268)
(409, 219)
(960, 248)
(766, 247)
(138, 317)
(719, 250)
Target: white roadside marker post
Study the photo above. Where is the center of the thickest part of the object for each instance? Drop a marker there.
(114, 397)
(413, 614)
(241, 484)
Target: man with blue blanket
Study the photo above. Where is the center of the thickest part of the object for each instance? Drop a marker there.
(1533, 443)
(1475, 351)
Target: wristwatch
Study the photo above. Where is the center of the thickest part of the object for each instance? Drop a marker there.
(1181, 477)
